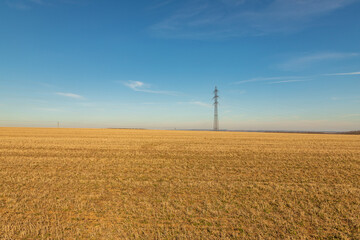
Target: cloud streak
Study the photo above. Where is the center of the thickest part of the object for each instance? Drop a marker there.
(70, 95)
(138, 86)
(203, 19)
(291, 79)
(28, 4)
(48, 109)
(351, 115)
(198, 103)
(287, 81)
(201, 104)
(20, 5)
(343, 74)
(307, 60)
(265, 79)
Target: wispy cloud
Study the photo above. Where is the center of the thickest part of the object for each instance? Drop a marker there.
(37, 1)
(198, 103)
(343, 74)
(290, 79)
(199, 19)
(351, 115)
(48, 109)
(28, 4)
(287, 81)
(265, 79)
(308, 60)
(355, 98)
(160, 4)
(202, 104)
(135, 85)
(20, 5)
(70, 95)
(143, 87)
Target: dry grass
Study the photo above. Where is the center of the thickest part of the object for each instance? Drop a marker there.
(140, 184)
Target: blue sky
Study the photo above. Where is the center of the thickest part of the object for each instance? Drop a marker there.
(279, 64)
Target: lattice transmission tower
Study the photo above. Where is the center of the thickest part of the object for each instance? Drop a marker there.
(216, 113)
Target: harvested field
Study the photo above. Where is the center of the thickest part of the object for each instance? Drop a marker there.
(147, 184)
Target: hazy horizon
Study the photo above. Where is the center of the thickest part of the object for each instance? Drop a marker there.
(252, 128)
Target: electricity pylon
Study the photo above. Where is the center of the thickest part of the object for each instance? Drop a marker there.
(216, 114)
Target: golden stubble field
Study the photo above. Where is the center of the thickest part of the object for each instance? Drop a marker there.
(147, 184)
